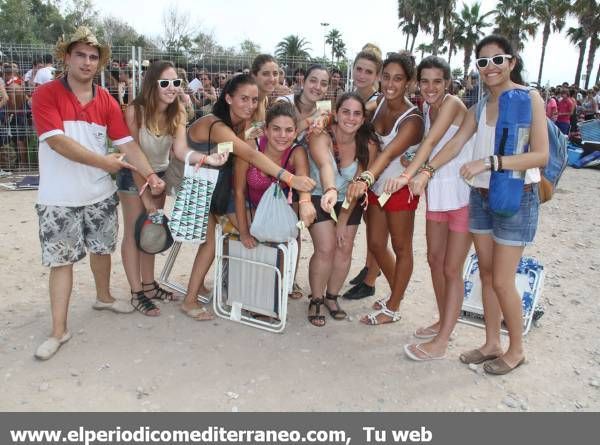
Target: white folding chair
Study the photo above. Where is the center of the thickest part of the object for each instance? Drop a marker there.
(252, 285)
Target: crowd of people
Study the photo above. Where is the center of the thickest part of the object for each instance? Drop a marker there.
(370, 156)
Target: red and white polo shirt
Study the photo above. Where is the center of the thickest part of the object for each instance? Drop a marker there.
(56, 110)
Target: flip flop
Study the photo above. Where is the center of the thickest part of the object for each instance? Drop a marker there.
(425, 333)
(426, 356)
(500, 367)
(476, 357)
(198, 314)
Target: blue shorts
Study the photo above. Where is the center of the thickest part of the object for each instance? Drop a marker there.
(125, 182)
(516, 230)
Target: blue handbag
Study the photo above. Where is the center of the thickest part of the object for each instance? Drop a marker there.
(511, 138)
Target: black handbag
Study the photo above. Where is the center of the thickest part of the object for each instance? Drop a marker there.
(222, 193)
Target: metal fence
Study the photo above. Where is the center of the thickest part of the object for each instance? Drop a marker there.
(122, 77)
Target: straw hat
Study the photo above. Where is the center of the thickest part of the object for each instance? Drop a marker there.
(83, 34)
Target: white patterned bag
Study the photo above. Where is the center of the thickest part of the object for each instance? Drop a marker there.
(189, 218)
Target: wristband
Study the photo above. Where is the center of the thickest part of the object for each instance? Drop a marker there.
(500, 163)
(304, 201)
(495, 163)
(281, 172)
(290, 178)
(427, 173)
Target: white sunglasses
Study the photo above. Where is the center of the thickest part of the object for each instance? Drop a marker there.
(498, 60)
(165, 83)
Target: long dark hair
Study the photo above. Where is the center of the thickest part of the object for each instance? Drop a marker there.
(365, 133)
(308, 71)
(502, 42)
(221, 107)
(146, 104)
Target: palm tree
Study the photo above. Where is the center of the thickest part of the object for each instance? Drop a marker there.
(332, 39)
(450, 34)
(412, 15)
(553, 14)
(514, 20)
(588, 14)
(292, 47)
(437, 13)
(578, 37)
(339, 50)
(469, 28)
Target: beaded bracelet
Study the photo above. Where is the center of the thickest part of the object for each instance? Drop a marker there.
(279, 173)
(428, 168)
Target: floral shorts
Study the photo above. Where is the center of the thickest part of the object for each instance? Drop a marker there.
(67, 232)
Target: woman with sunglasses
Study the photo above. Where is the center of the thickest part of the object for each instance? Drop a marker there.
(231, 114)
(447, 227)
(365, 74)
(499, 240)
(156, 120)
(399, 127)
(337, 156)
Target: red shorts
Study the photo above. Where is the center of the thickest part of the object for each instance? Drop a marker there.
(401, 200)
(458, 219)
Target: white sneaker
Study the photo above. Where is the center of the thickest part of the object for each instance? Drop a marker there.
(117, 306)
(51, 346)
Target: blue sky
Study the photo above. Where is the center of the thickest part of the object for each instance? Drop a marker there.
(266, 22)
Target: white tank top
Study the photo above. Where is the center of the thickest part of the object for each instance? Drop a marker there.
(447, 190)
(484, 147)
(394, 168)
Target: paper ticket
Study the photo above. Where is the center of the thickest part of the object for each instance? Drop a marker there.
(333, 215)
(383, 198)
(300, 224)
(346, 204)
(324, 105)
(225, 147)
(253, 126)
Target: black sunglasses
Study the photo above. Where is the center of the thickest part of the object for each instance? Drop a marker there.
(164, 83)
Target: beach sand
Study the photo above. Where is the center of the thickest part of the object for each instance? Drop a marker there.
(172, 363)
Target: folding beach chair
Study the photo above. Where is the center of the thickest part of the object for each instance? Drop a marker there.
(164, 278)
(252, 285)
(529, 281)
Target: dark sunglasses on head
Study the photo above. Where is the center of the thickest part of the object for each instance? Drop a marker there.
(498, 60)
(164, 83)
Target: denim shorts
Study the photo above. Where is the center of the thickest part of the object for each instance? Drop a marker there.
(516, 230)
(125, 182)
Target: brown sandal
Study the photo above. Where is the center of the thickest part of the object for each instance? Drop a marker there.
(476, 357)
(500, 367)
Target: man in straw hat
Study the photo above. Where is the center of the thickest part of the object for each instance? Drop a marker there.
(77, 203)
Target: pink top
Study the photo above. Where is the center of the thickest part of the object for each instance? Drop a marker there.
(552, 109)
(565, 105)
(257, 182)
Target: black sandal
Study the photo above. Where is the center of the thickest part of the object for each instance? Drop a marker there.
(336, 314)
(143, 304)
(159, 292)
(316, 319)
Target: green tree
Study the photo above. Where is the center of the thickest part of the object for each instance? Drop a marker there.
(470, 25)
(333, 37)
(413, 17)
(293, 47)
(578, 37)
(50, 25)
(516, 21)
(437, 14)
(81, 13)
(588, 14)
(116, 32)
(457, 73)
(451, 35)
(16, 22)
(339, 50)
(553, 15)
(178, 31)
(249, 48)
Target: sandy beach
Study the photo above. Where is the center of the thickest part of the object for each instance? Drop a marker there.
(172, 363)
